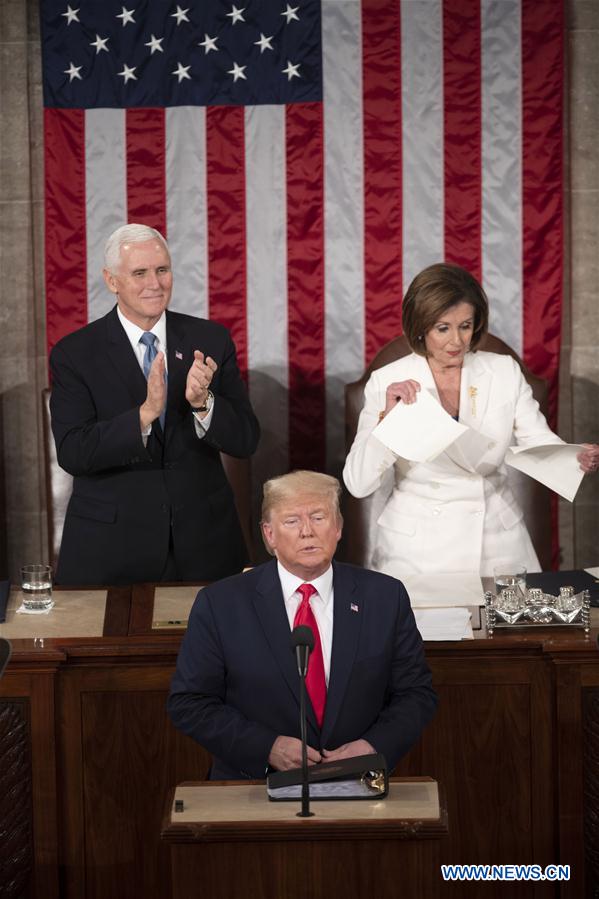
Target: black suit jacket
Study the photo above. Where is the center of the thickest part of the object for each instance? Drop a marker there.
(236, 686)
(127, 496)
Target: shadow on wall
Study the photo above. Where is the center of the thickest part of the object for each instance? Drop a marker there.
(585, 413)
(3, 510)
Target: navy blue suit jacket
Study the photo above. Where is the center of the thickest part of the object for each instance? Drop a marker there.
(129, 498)
(236, 686)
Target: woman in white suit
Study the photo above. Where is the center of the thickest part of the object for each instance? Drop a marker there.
(456, 513)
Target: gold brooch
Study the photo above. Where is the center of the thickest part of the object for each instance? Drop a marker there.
(472, 391)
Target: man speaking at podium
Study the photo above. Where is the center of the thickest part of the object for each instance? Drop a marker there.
(236, 688)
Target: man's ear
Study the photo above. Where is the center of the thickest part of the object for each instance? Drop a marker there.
(110, 281)
(267, 533)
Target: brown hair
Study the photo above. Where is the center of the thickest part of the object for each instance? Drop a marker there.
(435, 290)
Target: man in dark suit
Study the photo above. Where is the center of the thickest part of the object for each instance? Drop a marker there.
(143, 401)
(236, 687)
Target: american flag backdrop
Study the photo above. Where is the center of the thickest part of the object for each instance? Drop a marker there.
(305, 160)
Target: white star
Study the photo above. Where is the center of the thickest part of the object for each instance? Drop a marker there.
(209, 43)
(128, 73)
(237, 72)
(71, 15)
(154, 44)
(99, 43)
(180, 15)
(182, 72)
(290, 13)
(291, 71)
(73, 71)
(264, 43)
(236, 15)
(126, 16)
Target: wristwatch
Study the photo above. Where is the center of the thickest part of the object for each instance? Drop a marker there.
(208, 402)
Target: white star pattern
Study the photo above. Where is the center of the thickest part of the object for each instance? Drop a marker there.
(236, 15)
(126, 16)
(180, 16)
(209, 43)
(154, 44)
(290, 13)
(264, 43)
(73, 71)
(71, 15)
(99, 43)
(237, 72)
(128, 73)
(291, 71)
(182, 72)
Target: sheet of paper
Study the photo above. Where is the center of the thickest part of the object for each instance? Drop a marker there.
(418, 431)
(428, 591)
(444, 624)
(555, 465)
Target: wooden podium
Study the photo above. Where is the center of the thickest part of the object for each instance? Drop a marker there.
(229, 840)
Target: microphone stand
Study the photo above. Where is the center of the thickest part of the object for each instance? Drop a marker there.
(305, 811)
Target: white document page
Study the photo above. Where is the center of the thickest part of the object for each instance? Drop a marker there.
(418, 431)
(444, 624)
(429, 591)
(555, 465)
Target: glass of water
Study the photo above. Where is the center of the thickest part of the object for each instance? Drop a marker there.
(511, 577)
(36, 587)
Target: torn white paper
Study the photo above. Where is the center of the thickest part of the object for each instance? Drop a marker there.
(418, 431)
(555, 465)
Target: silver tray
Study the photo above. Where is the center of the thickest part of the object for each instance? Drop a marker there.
(546, 611)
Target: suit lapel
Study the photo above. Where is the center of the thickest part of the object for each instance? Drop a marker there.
(179, 359)
(475, 387)
(122, 358)
(270, 609)
(347, 625)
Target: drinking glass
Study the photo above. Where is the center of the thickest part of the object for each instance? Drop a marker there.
(36, 587)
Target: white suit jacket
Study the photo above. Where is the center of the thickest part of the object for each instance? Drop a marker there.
(457, 511)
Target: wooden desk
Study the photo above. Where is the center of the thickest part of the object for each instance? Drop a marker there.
(388, 849)
(92, 755)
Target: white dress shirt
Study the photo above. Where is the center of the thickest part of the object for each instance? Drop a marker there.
(134, 333)
(322, 606)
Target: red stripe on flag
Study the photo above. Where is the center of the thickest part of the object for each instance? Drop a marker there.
(462, 137)
(66, 252)
(225, 188)
(542, 179)
(305, 285)
(381, 85)
(146, 160)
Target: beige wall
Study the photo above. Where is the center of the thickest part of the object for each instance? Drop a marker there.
(22, 338)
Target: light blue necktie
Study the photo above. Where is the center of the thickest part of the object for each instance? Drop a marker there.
(149, 341)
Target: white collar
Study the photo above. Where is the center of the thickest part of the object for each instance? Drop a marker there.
(134, 332)
(290, 583)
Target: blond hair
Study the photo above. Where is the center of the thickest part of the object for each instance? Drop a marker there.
(278, 490)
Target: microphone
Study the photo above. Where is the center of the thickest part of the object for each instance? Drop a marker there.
(302, 641)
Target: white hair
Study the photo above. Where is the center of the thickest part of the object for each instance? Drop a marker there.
(131, 233)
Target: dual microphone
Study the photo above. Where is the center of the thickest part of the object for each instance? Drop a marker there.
(302, 642)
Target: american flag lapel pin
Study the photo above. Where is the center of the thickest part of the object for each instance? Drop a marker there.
(178, 355)
(353, 606)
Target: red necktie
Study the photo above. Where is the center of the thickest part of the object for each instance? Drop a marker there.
(315, 680)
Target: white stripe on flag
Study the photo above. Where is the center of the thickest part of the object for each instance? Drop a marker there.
(105, 195)
(422, 130)
(344, 213)
(186, 207)
(502, 167)
(266, 247)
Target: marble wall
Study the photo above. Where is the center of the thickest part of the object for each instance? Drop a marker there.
(23, 371)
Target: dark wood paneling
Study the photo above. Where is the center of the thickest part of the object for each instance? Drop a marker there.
(590, 715)
(16, 814)
(123, 756)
